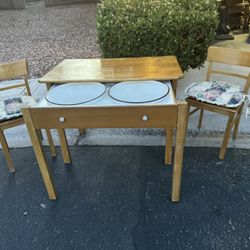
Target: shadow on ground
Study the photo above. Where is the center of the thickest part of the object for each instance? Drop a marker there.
(118, 198)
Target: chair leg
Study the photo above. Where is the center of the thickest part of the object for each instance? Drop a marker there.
(51, 143)
(200, 118)
(40, 134)
(226, 137)
(188, 111)
(64, 146)
(6, 152)
(237, 123)
(169, 146)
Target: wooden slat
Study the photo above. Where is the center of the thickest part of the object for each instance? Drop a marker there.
(115, 70)
(194, 111)
(13, 86)
(229, 56)
(247, 85)
(13, 70)
(106, 117)
(211, 107)
(221, 72)
(11, 123)
(210, 64)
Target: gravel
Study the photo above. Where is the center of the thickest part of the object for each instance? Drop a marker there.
(46, 36)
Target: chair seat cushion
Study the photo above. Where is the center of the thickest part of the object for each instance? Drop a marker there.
(11, 108)
(219, 93)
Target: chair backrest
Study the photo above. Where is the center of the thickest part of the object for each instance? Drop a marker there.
(229, 56)
(9, 71)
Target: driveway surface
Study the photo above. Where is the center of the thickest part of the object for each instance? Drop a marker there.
(118, 198)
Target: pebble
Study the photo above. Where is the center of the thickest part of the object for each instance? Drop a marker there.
(46, 36)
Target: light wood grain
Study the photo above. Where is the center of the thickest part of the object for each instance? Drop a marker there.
(174, 86)
(51, 143)
(169, 146)
(226, 137)
(13, 70)
(229, 56)
(237, 123)
(179, 147)
(6, 152)
(11, 123)
(211, 107)
(200, 118)
(64, 146)
(42, 163)
(193, 111)
(222, 72)
(209, 69)
(115, 70)
(106, 117)
(247, 85)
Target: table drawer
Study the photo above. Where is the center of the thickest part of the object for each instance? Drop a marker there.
(105, 117)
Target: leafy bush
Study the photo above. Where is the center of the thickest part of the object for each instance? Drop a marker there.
(183, 28)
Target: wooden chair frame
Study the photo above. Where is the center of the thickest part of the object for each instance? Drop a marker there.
(10, 71)
(231, 57)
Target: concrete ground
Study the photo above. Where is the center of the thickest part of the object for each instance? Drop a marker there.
(118, 198)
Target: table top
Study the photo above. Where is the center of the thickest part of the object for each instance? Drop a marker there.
(114, 70)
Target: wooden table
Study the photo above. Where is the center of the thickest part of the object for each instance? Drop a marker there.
(115, 70)
(168, 117)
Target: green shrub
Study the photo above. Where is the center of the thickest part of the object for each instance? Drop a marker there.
(184, 28)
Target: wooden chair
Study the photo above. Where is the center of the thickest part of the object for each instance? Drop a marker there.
(231, 57)
(12, 71)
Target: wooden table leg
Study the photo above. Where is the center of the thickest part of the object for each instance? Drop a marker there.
(51, 143)
(64, 146)
(37, 146)
(179, 148)
(48, 85)
(174, 86)
(169, 146)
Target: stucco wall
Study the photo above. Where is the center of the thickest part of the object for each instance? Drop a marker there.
(12, 4)
(58, 2)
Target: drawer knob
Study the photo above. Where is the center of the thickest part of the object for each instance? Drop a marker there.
(144, 118)
(61, 119)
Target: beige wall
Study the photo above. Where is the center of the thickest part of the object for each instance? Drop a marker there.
(58, 2)
(12, 4)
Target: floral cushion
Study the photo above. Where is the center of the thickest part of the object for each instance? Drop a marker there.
(216, 92)
(11, 107)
